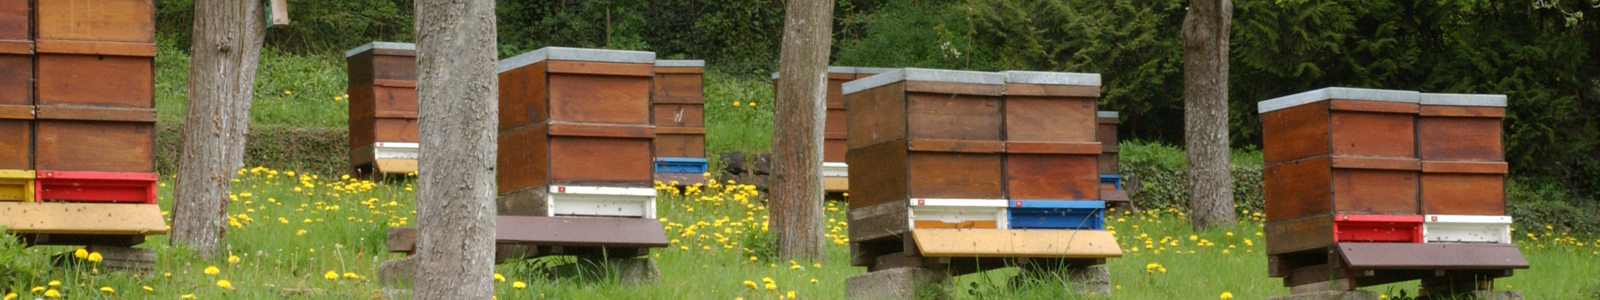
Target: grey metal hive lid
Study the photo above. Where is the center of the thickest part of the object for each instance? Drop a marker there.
(380, 45)
(681, 63)
(1053, 78)
(831, 69)
(1106, 114)
(577, 54)
(914, 74)
(1337, 93)
(1489, 100)
(867, 70)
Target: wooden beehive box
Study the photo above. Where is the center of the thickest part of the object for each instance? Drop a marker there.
(1051, 147)
(678, 95)
(1336, 151)
(1106, 132)
(835, 120)
(16, 85)
(1463, 163)
(95, 85)
(575, 117)
(382, 85)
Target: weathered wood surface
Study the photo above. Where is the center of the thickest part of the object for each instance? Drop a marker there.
(577, 231)
(1052, 176)
(16, 144)
(1016, 243)
(130, 21)
(78, 218)
(1444, 256)
(81, 146)
(583, 116)
(16, 20)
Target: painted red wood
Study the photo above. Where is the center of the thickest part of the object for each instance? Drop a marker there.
(1378, 228)
(112, 187)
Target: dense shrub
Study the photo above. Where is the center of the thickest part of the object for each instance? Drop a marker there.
(1160, 178)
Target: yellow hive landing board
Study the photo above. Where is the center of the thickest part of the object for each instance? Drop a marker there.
(1016, 243)
(397, 166)
(16, 185)
(836, 184)
(82, 218)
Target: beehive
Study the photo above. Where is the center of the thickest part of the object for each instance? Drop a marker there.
(94, 85)
(1106, 132)
(1340, 150)
(382, 86)
(1463, 163)
(925, 134)
(16, 85)
(578, 117)
(1051, 147)
(679, 108)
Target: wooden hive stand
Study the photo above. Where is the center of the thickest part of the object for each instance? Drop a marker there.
(77, 116)
(933, 146)
(382, 90)
(677, 96)
(1347, 201)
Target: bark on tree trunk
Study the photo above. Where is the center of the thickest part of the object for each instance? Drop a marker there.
(222, 73)
(1205, 110)
(456, 90)
(796, 214)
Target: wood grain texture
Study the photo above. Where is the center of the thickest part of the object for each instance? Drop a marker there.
(683, 85)
(16, 20)
(96, 48)
(680, 145)
(879, 221)
(588, 160)
(642, 71)
(1106, 134)
(1459, 138)
(679, 115)
(961, 146)
(953, 117)
(1301, 234)
(530, 201)
(877, 115)
(1016, 243)
(395, 166)
(93, 113)
(953, 175)
(1298, 189)
(16, 79)
(95, 80)
(950, 88)
(1463, 194)
(81, 146)
(1368, 191)
(523, 96)
(1051, 90)
(1376, 163)
(1373, 134)
(882, 167)
(680, 130)
(836, 121)
(1050, 119)
(522, 158)
(1052, 176)
(97, 20)
(1368, 106)
(574, 129)
(16, 144)
(79, 218)
(599, 99)
(1091, 148)
(1295, 133)
(834, 150)
(1469, 167)
(1462, 111)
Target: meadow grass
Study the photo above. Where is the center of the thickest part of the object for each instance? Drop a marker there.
(291, 90)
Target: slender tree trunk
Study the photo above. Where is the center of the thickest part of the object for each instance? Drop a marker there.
(456, 90)
(222, 73)
(1205, 111)
(796, 215)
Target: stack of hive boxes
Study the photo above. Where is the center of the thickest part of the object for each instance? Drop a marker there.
(678, 97)
(77, 116)
(382, 88)
(956, 156)
(835, 171)
(1110, 170)
(1357, 170)
(575, 143)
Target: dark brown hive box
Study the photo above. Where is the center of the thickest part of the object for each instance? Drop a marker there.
(1051, 148)
(1106, 133)
(919, 133)
(575, 116)
(16, 85)
(1463, 167)
(94, 85)
(383, 97)
(679, 101)
(1340, 150)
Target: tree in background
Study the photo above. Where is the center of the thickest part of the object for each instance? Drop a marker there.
(1205, 94)
(222, 73)
(456, 90)
(796, 215)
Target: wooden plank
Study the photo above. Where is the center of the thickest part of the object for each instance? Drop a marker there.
(1373, 134)
(1462, 111)
(1361, 191)
(680, 145)
(16, 20)
(696, 71)
(402, 239)
(16, 144)
(397, 83)
(16, 47)
(573, 129)
(81, 218)
(81, 146)
(1109, 164)
(395, 114)
(1450, 138)
(835, 121)
(1068, 148)
(879, 115)
(523, 96)
(1368, 106)
(16, 81)
(1297, 235)
(522, 158)
(679, 115)
(1052, 177)
(836, 184)
(958, 117)
(17, 112)
(1049, 119)
(1463, 193)
(878, 221)
(1298, 189)
(96, 48)
(396, 166)
(834, 149)
(584, 160)
(951, 175)
(1376, 163)
(403, 130)
(961, 146)
(113, 20)
(96, 80)
(882, 167)
(1051, 90)
(531, 201)
(1445, 256)
(1295, 133)
(91, 113)
(601, 68)
(678, 85)
(1464, 167)
(1016, 243)
(600, 99)
(952, 88)
(578, 231)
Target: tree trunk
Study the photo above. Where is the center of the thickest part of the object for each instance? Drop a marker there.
(222, 73)
(796, 214)
(457, 114)
(1205, 110)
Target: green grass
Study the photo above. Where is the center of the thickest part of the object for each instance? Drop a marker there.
(714, 235)
(291, 90)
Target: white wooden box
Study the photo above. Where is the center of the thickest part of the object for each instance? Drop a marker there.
(601, 201)
(959, 213)
(834, 169)
(1466, 229)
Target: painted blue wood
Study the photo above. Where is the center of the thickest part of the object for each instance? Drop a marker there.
(680, 165)
(1057, 214)
(1111, 179)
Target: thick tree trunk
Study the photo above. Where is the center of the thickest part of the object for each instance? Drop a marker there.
(1205, 111)
(796, 214)
(222, 73)
(456, 90)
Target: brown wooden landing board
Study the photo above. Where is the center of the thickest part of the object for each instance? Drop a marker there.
(84, 218)
(1444, 256)
(579, 231)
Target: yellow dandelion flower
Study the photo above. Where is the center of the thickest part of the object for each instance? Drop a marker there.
(95, 257)
(11, 296)
(331, 275)
(224, 284)
(52, 293)
(790, 294)
(1226, 295)
(212, 270)
(108, 289)
(352, 275)
(751, 284)
(186, 296)
(519, 285)
(81, 253)
(233, 259)
(36, 289)
(54, 283)
(735, 103)
(499, 278)
(286, 92)
(148, 288)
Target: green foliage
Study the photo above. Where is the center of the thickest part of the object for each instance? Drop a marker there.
(315, 26)
(292, 90)
(323, 151)
(743, 127)
(18, 266)
(1536, 202)
(1161, 171)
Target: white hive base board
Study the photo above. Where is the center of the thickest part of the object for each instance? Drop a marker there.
(601, 201)
(959, 213)
(1466, 229)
